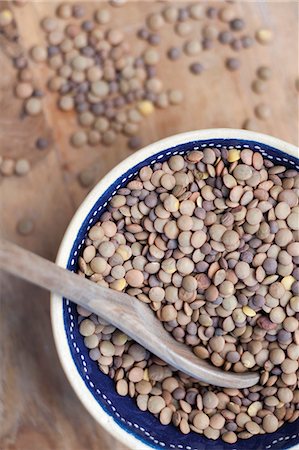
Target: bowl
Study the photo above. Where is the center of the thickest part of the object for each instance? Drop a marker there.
(120, 415)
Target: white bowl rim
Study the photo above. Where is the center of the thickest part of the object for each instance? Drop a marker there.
(60, 338)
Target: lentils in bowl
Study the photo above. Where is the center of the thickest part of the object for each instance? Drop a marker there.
(196, 235)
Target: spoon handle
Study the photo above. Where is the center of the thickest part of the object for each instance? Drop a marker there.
(24, 264)
(128, 314)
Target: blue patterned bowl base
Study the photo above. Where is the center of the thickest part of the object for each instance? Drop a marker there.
(143, 425)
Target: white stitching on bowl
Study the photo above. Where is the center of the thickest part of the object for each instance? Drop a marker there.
(146, 433)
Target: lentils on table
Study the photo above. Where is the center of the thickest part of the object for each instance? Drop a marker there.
(33, 106)
(233, 64)
(262, 111)
(7, 166)
(42, 143)
(196, 68)
(97, 75)
(264, 36)
(210, 241)
(25, 226)
(95, 71)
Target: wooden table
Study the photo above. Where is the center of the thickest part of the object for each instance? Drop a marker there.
(38, 407)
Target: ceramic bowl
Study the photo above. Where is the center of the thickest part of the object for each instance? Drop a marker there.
(120, 415)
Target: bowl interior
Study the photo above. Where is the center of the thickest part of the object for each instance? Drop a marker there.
(123, 410)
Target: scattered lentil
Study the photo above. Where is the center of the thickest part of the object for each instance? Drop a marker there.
(6, 17)
(183, 29)
(25, 226)
(42, 143)
(259, 86)
(33, 106)
(196, 68)
(233, 64)
(264, 36)
(79, 138)
(264, 73)
(7, 167)
(263, 111)
(250, 124)
(192, 47)
(39, 54)
(174, 53)
(22, 167)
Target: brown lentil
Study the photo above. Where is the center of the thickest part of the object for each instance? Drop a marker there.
(25, 226)
(33, 106)
(264, 73)
(22, 167)
(263, 111)
(264, 36)
(233, 64)
(24, 90)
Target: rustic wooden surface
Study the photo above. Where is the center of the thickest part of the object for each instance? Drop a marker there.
(38, 408)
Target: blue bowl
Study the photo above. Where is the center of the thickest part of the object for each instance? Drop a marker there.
(120, 415)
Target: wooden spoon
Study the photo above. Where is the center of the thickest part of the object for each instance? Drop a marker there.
(127, 313)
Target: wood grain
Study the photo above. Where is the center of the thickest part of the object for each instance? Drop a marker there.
(38, 408)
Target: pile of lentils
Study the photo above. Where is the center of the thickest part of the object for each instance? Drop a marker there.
(111, 88)
(209, 241)
(97, 75)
